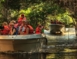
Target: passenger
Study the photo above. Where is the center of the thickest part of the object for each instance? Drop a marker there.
(20, 19)
(24, 29)
(12, 29)
(56, 22)
(31, 29)
(39, 29)
(15, 23)
(5, 30)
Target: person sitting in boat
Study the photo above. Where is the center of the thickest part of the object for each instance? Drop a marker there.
(39, 29)
(57, 22)
(5, 29)
(23, 29)
(21, 18)
(16, 26)
(12, 29)
(31, 29)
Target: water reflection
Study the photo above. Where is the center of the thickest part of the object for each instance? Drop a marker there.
(65, 54)
(62, 47)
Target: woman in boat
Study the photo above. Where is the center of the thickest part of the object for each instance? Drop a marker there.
(12, 29)
(25, 28)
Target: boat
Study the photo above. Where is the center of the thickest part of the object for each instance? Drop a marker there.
(37, 46)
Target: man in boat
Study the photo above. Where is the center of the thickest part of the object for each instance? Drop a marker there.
(21, 18)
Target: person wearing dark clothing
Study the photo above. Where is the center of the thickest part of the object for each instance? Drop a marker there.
(12, 29)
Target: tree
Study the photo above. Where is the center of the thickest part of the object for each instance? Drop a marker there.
(36, 11)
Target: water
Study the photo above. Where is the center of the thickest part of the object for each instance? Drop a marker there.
(62, 47)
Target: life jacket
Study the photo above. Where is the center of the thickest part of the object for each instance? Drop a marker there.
(21, 19)
(23, 29)
(5, 31)
(31, 30)
(38, 30)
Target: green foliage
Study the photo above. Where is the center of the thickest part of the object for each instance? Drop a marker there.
(37, 11)
(65, 18)
(41, 13)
